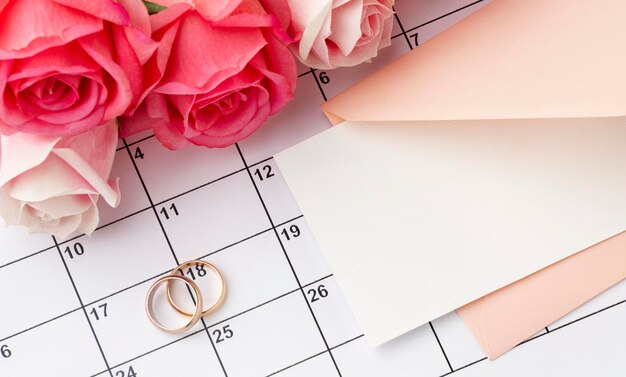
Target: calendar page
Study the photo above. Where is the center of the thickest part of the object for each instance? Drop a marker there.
(76, 307)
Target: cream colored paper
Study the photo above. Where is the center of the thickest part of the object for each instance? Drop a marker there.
(531, 60)
(426, 217)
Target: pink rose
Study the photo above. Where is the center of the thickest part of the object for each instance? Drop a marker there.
(69, 65)
(227, 71)
(52, 184)
(335, 33)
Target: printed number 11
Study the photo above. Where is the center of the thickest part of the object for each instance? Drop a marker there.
(165, 212)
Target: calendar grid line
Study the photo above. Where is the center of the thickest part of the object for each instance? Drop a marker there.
(39, 324)
(113, 222)
(403, 32)
(199, 187)
(441, 346)
(318, 354)
(319, 86)
(296, 364)
(283, 295)
(444, 16)
(295, 275)
(589, 315)
(186, 336)
(27, 256)
(464, 366)
(82, 305)
(169, 244)
(163, 273)
(608, 307)
(347, 341)
(156, 214)
(135, 142)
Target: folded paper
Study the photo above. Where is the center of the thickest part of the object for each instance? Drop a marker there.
(486, 154)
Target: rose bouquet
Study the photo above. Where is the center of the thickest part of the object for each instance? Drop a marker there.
(77, 74)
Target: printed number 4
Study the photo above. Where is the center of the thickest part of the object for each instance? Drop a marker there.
(223, 334)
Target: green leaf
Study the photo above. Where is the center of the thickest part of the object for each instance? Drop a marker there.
(153, 8)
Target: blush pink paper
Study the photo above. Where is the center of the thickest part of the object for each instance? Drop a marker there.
(514, 59)
(508, 316)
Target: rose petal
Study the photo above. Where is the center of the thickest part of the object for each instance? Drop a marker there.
(105, 9)
(97, 147)
(21, 152)
(9, 207)
(346, 25)
(209, 69)
(89, 219)
(61, 206)
(308, 19)
(60, 229)
(120, 94)
(42, 182)
(31, 26)
(96, 181)
(87, 102)
(212, 10)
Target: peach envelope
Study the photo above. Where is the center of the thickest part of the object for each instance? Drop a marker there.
(510, 315)
(514, 60)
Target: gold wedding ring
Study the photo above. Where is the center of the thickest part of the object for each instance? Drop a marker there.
(178, 274)
(180, 269)
(195, 317)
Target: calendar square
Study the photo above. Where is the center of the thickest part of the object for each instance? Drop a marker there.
(16, 243)
(215, 216)
(256, 272)
(133, 195)
(287, 336)
(413, 354)
(94, 262)
(318, 366)
(303, 251)
(121, 324)
(29, 302)
(276, 195)
(190, 357)
(332, 311)
(186, 168)
(41, 352)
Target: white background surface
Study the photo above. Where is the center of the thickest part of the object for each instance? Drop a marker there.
(47, 298)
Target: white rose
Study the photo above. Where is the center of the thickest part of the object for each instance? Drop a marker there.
(52, 184)
(339, 33)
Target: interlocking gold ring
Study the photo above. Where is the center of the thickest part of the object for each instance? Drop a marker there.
(180, 269)
(195, 317)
